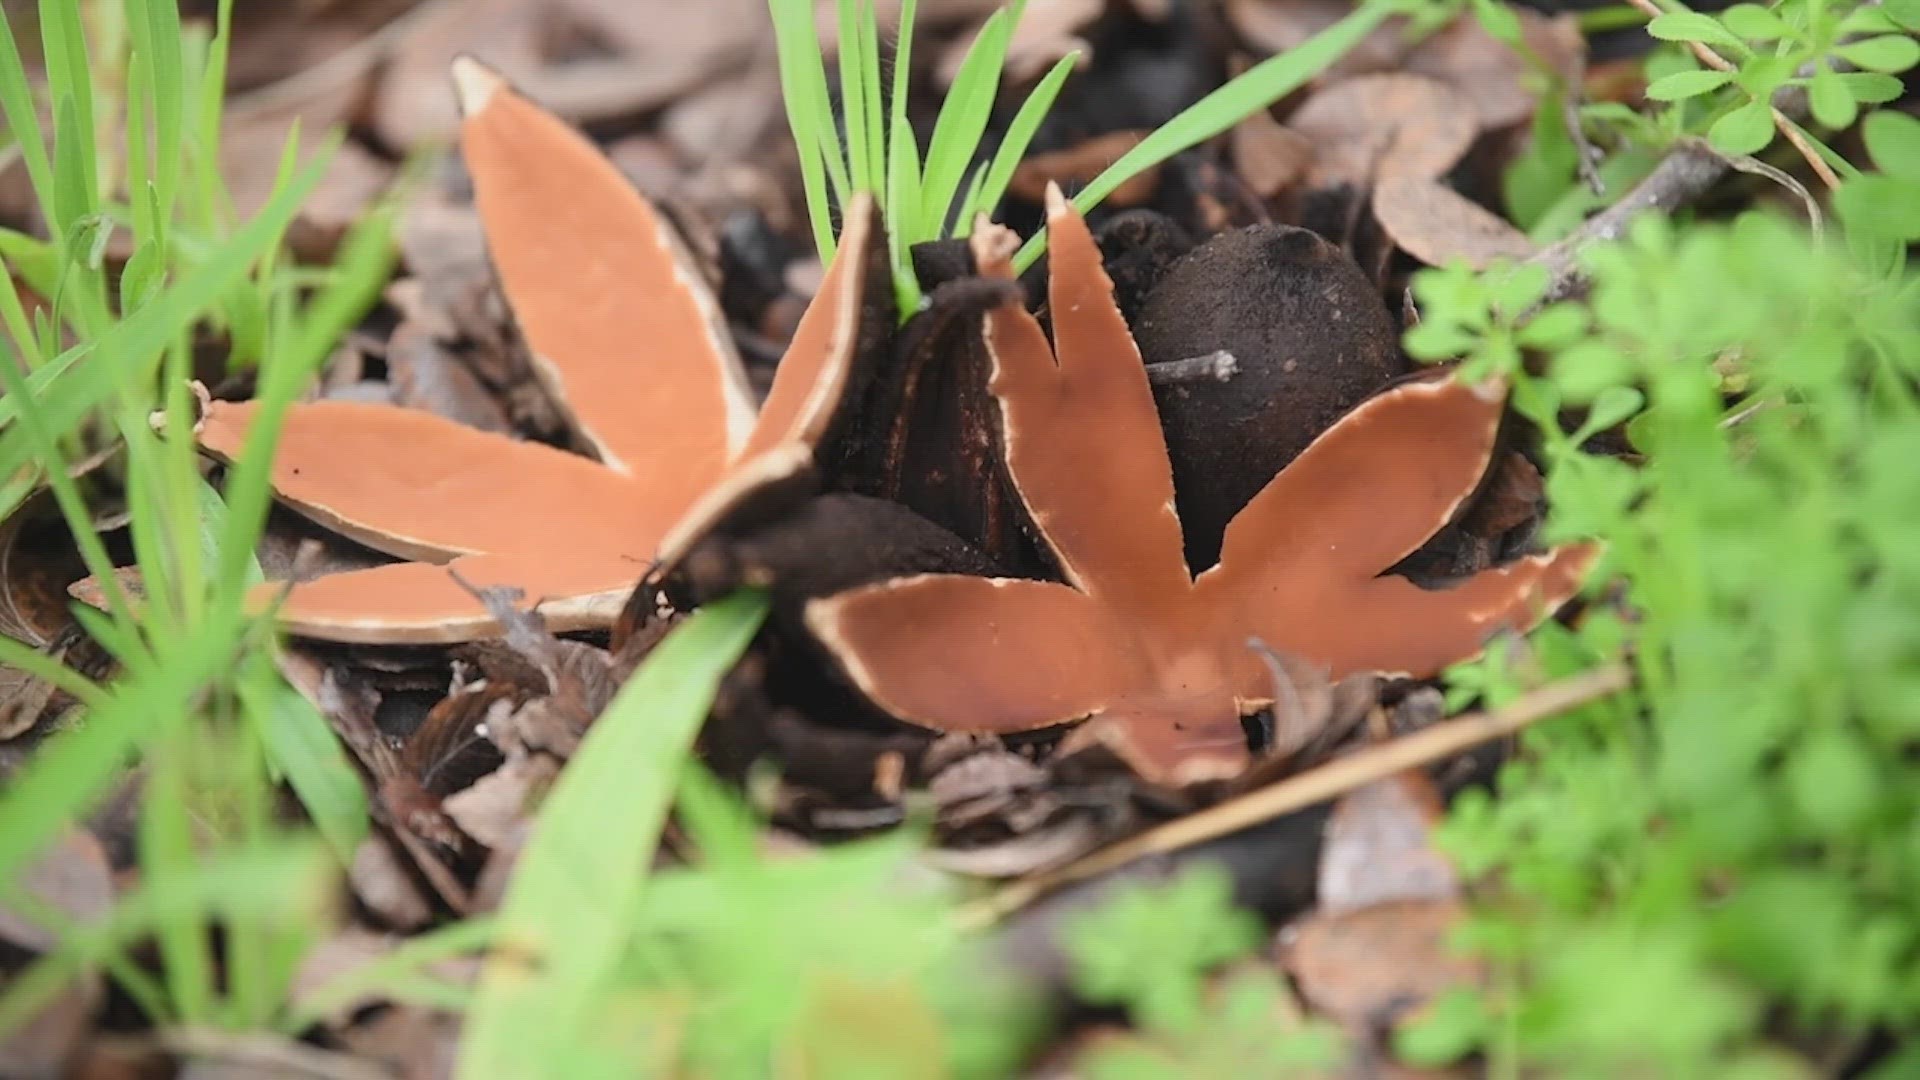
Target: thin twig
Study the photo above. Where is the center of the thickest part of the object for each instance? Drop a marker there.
(1780, 120)
(1213, 367)
(266, 1054)
(1335, 778)
(1686, 173)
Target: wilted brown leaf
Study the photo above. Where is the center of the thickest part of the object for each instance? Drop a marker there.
(1367, 129)
(1436, 224)
(1079, 164)
(1269, 155)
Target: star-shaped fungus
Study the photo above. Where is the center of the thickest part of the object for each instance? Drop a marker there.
(632, 345)
(1165, 663)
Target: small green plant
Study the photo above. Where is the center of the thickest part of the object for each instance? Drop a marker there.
(1155, 950)
(1685, 877)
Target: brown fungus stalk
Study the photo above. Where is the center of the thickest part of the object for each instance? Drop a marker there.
(1166, 664)
(628, 339)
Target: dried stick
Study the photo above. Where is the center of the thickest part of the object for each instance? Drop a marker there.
(1335, 778)
(1681, 177)
(1780, 120)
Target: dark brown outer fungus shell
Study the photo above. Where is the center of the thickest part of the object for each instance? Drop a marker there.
(1312, 340)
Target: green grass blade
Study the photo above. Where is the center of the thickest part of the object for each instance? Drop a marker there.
(380, 976)
(903, 205)
(301, 748)
(210, 185)
(365, 262)
(963, 120)
(1020, 136)
(565, 919)
(70, 73)
(45, 668)
(874, 107)
(803, 120)
(13, 314)
(23, 118)
(853, 96)
(963, 221)
(1255, 89)
(72, 182)
(284, 881)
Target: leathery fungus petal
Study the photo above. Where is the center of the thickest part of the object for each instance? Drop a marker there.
(414, 485)
(621, 325)
(960, 653)
(1372, 488)
(421, 603)
(811, 379)
(1082, 437)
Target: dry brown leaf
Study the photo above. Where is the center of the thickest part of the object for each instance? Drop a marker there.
(558, 52)
(1437, 225)
(577, 249)
(1489, 74)
(1276, 26)
(1379, 847)
(1164, 660)
(1367, 129)
(1048, 31)
(1269, 155)
(71, 878)
(1079, 164)
(1374, 965)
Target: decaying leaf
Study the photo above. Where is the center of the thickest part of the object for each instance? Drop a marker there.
(1366, 129)
(1436, 224)
(1496, 80)
(594, 277)
(1270, 155)
(1079, 164)
(1377, 949)
(1160, 659)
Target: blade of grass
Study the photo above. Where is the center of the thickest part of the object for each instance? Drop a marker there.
(874, 108)
(903, 168)
(903, 204)
(802, 118)
(1019, 136)
(70, 74)
(23, 118)
(284, 881)
(364, 264)
(962, 221)
(1255, 89)
(302, 749)
(407, 961)
(564, 922)
(853, 96)
(211, 185)
(14, 314)
(155, 28)
(963, 120)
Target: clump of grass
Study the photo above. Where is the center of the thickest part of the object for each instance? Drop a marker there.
(134, 149)
(871, 148)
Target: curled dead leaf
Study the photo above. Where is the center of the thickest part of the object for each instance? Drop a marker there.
(1079, 164)
(1369, 128)
(1437, 225)
(1269, 155)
